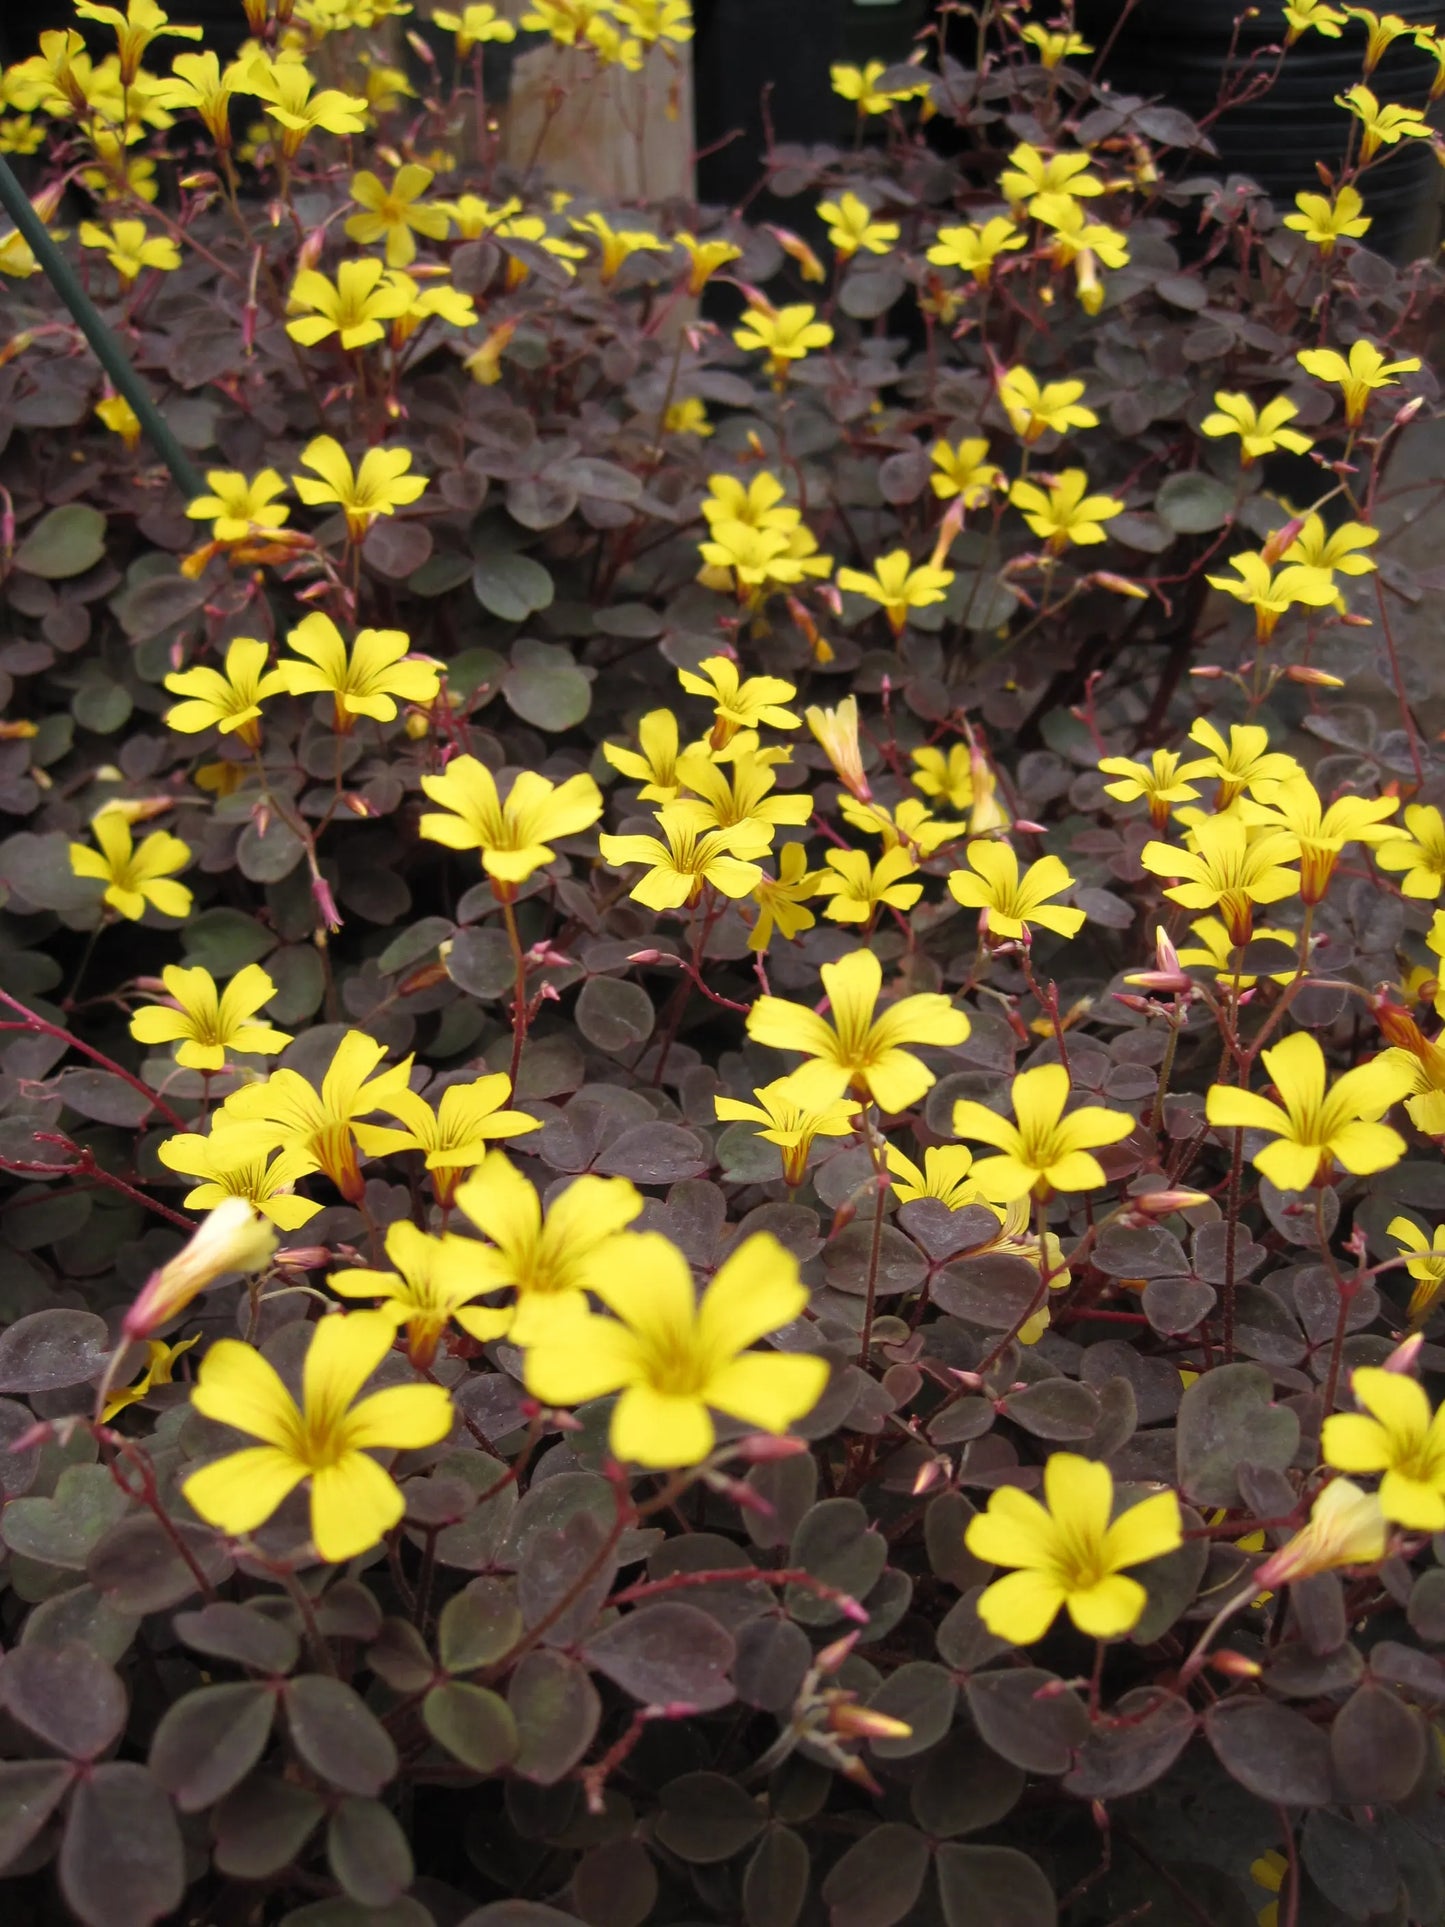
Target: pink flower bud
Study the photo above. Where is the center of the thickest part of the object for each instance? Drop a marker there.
(1163, 1204)
(233, 1237)
(1406, 1355)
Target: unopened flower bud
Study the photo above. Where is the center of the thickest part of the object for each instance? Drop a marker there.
(856, 1722)
(233, 1237)
(1406, 1355)
(1163, 1204)
(762, 1448)
(1276, 543)
(1316, 678)
(1235, 1665)
(1118, 584)
(1207, 672)
(1408, 411)
(832, 1656)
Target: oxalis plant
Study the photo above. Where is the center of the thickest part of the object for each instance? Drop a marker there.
(719, 1000)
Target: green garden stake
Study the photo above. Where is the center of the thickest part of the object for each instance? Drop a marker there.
(108, 351)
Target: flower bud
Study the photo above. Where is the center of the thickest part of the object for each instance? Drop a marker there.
(1315, 678)
(1118, 584)
(856, 1722)
(233, 1237)
(1406, 1355)
(1276, 543)
(1163, 1204)
(832, 1656)
(1235, 1665)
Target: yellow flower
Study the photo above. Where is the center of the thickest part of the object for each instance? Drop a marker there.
(1045, 1151)
(1383, 126)
(860, 85)
(1323, 221)
(458, 1134)
(1426, 1267)
(515, 836)
(944, 1175)
(1420, 854)
(1161, 782)
(897, 586)
(852, 228)
(1400, 1438)
(1313, 1128)
(836, 730)
(1346, 1528)
(858, 888)
(965, 472)
(1338, 550)
(229, 699)
(790, 1122)
(566, 21)
(352, 307)
(1319, 14)
(656, 21)
(1082, 243)
(950, 778)
(160, 1370)
(284, 87)
(705, 258)
(1031, 409)
(1061, 512)
(1011, 904)
(19, 134)
(1359, 376)
(654, 762)
(395, 215)
(759, 504)
(119, 417)
(474, 26)
(1066, 1553)
(228, 1170)
(615, 245)
(134, 877)
(434, 1282)
(198, 83)
(752, 560)
(975, 248)
(238, 505)
(672, 1357)
(1031, 173)
(687, 417)
(1217, 951)
(1381, 31)
(1260, 431)
(738, 703)
(325, 1440)
(739, 794)
(230, 1238)
(549, 1263)
(1269, 593)
(364, 681)
(129, 249)
(861, 1048)
(141, 23)
(910, 825)
(379, 487)
(210, 1023)
(786, 335)
(780, 899)
(438, 299)
(1054, 47)
(1242, 763)
(320, 1127)
(1227, 871)
(687, 856)
(1322, 833)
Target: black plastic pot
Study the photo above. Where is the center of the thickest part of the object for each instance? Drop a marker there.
(749, 51)
(1177, 50)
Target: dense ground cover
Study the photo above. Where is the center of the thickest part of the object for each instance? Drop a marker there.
(719, 992)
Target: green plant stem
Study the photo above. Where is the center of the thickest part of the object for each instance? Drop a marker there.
(875, 1249)
(519, 989)
(107, 350)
